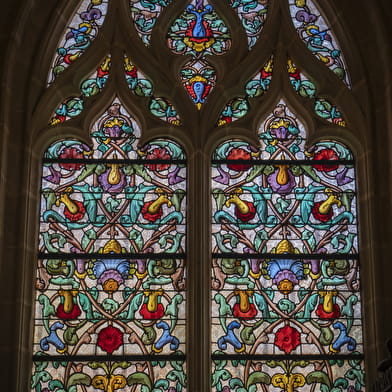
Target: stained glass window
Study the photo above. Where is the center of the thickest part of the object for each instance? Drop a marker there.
(111, 309)
(307, 89)
(81, 32)
(238, 107)
(285, 270)
(252, 15)
(200, 32)
(318, 37)
(110, 306)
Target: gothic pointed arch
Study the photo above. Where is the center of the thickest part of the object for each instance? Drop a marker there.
(197, 48)
(197, 101)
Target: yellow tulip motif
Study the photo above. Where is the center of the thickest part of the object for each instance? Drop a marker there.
(288, 382)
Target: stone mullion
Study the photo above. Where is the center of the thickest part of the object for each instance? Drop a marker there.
(198, 281)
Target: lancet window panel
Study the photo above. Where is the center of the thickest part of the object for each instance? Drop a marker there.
(286, 304)
(110, 298)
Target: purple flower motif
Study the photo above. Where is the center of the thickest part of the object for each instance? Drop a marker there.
(314, 266)
(285, 273)
(173, 177)
(306, 17)
(223, 178)
(199, 4)
(280, 133)
(110, 184)
(54, 176)
(315, 263)
(113, 131)
(141, 266)
(254, 263)
(94, 13)
(342, 177)
(111, 273)
(284, 185)
(80, 263)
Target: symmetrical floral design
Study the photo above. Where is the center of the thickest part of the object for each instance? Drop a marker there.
(110, 339)
(285, 265)
(110, 278)
(112, 229)
(287, 339)
(199, 32)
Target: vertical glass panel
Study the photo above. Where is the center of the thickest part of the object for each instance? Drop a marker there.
(80, 33)
(110, 299)
(318, 37)
(286, 309)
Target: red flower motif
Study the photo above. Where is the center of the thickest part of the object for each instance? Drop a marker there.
(318, 215)
(249, 215)
(110, 339)
(287, 339)
(71, 153)
(158, 153)
(72, 315)
(151, 217)
(238, 153)
(328, 316)
(77, 215)
(326, 154)
(146, 314)
(250, 314)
